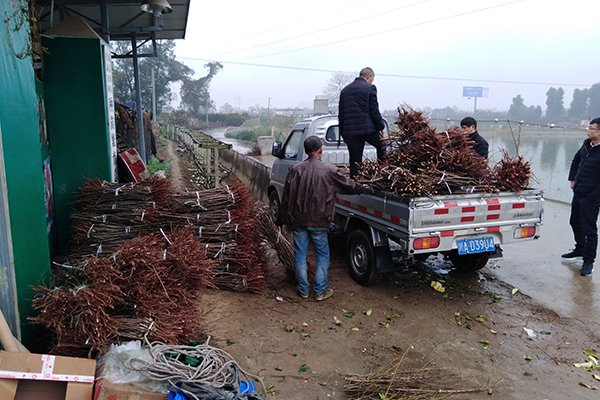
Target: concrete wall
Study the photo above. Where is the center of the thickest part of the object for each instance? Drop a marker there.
(253, 172)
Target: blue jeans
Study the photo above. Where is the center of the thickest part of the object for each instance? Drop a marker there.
(321, 245)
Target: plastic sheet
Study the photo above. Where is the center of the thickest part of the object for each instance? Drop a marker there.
(112, 366)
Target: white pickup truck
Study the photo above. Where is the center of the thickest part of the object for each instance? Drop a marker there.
(467, 229)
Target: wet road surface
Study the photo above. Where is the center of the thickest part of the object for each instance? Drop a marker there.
(537, 270)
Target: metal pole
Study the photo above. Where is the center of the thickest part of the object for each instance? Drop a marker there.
(475, 106)
(103, 19)
(153, 98)
(138, 97)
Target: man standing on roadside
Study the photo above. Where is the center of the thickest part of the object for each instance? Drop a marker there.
(585, 182)
(360, 120)
(307, 205)
(480, 145)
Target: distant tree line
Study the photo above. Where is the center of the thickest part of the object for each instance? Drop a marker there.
(197, 103)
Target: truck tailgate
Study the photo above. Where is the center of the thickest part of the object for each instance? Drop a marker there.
(448, 213)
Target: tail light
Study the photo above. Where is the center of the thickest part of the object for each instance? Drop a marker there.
(426, 243)
(524, 232)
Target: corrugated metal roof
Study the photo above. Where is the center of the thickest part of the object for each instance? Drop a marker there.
(122, 17)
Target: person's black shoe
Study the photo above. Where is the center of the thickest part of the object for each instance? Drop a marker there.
(587, 269)
(573, 254)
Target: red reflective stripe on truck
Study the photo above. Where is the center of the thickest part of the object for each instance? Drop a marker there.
(468, 209)
(492, 201)
(362, 208)
(395, 219)
(493, 229)
(441, 211)
(447, 233)
(519, 205)
(494, 207)
(493, 216)
(467, 219)
(378, 213)
(347, 203)
(448, 204)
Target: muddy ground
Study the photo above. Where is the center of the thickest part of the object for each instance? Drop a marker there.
(474, 330)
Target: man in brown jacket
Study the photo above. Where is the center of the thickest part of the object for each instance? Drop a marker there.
(307, 205)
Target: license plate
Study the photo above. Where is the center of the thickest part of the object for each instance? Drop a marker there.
(479, 245)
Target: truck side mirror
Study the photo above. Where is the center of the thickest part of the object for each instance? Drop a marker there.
(276, 149)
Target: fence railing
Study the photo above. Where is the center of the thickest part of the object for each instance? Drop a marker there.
(205, 151)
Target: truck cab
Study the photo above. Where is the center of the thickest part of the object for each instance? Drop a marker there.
(291, 152)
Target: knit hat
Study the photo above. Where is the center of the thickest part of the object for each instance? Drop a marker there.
(312, 144)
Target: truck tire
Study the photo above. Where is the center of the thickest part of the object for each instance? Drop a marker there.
(361, 258)
(468, 262)
(274, 206)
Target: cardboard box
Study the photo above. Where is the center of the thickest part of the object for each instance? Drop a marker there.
(106, 390)
(45, 377)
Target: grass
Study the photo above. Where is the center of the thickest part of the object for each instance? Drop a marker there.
(154, 165)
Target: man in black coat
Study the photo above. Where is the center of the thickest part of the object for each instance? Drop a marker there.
(359, 119)
(585, 182)
(480, 145)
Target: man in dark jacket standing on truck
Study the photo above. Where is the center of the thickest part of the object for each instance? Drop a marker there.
(360, 120)
(307, 205)
(585, 182)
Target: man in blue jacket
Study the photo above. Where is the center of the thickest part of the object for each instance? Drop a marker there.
(360, 120)
(585, 182)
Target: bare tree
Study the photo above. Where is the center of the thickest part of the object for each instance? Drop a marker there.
(335, 84)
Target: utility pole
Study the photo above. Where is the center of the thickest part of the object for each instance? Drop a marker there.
(268, 107)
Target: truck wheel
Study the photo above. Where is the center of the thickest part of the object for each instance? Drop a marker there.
(274, 206)
(361, 258)
(468, 262)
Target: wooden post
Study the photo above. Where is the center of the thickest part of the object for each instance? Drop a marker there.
(217, 175)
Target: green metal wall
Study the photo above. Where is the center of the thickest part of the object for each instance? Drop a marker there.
(78, 122)
(23, 170)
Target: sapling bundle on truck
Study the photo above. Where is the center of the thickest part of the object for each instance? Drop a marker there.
(423, 161)
(439, 196)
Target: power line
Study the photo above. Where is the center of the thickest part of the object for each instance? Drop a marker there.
(392, 75)
(322, 30)
(287, 26)
(386, 31)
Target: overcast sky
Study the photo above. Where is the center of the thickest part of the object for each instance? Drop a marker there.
(423, 51)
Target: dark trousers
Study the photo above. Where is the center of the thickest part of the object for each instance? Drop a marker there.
(584, 217)
(356, 145)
